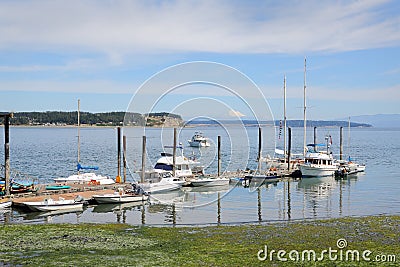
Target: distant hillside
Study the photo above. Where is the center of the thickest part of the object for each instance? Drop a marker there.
(289, 123)
(63, 118)
(379, 120)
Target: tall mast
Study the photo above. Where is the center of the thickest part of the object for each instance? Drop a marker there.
(284, 117)
(305, 108)
(79, 133)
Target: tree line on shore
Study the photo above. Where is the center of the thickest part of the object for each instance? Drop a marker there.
(99, 119)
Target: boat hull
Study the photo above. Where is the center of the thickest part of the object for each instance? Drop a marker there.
(6, 204)
(114, 198)
(42, 206)
(317, 171)
(210, 182)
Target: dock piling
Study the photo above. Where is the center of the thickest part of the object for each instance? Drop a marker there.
(289, 145)
(219, 155)
(174, 155)
(143, 159)
(118, 180)
(124, 155)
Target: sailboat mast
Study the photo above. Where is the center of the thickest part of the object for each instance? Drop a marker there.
(305, 108)
(79, 133)
(284, 118)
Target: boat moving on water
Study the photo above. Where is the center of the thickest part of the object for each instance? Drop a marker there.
(198, 140)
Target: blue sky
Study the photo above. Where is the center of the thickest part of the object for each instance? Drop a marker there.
(55, 52)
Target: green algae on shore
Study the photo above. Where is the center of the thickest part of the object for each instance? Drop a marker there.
(124, 245)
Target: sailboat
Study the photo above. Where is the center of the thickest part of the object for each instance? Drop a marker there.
(85, 177)
(280, 159)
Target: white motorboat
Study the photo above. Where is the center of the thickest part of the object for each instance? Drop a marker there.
(198, 140)
(86, 178)
(184, 167)
(52, 205)
(210, 181)
(166, 183)
(121, 196)
(318, 163)
(5, 204)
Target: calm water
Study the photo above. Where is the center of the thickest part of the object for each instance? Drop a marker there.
(46, 153)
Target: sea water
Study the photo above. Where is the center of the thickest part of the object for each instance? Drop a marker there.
(45, 153)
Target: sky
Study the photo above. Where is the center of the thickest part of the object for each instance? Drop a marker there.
(149, 56)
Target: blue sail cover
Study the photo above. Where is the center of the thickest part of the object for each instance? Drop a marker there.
(80, 167)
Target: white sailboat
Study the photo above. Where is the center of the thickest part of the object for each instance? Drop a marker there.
(88, 177)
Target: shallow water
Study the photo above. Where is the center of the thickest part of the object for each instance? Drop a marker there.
(45, 153)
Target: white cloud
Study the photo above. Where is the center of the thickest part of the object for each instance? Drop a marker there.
(122, 27)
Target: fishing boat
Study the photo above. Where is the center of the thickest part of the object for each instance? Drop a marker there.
(318, 163)
(50, 204)
(198, 140)
(209, 181)
(121, 196)
(84, 177)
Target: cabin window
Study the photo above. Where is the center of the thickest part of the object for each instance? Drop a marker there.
(162, 166)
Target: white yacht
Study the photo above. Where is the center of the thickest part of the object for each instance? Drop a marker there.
(198, 140)
(318, 163)
(165, 184)
(184, 167)
(209, 181)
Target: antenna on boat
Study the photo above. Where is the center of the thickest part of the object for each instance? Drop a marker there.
(79, 134)
(284, 118)
(305, 108)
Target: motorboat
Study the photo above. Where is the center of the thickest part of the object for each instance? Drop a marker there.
(166, 183)
(5, 204)
(318, 163)
(121, 196)
(209, 181)
(198, 140)
(50, 204)
(86, 178)
(185, 168)
(348, 168)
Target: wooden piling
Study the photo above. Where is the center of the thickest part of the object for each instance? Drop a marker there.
(341, 142)
(7, 153)
(219, 155)
(259, 149)
(289, 145)
(174, 155)
(315, 136)
(143, 159)
(119, 154)
(124, 155)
